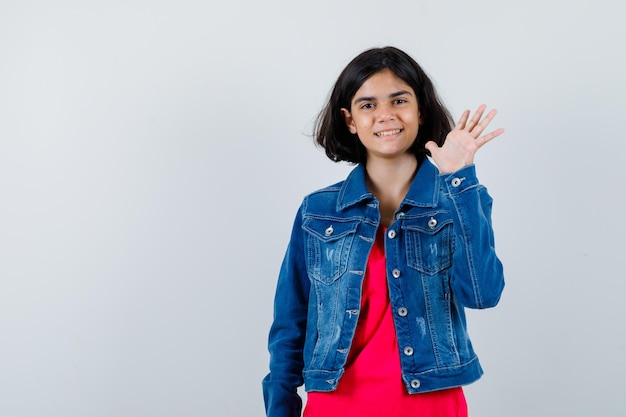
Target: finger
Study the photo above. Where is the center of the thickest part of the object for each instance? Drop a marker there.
(431, 147)
(476, 117)
(462, 120)
(489, 136)
(482, 125)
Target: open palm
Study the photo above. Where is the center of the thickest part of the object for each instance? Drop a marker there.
(463, 141)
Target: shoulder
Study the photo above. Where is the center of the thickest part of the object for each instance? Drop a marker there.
(323, 199)
(330, 189)
(336, 199)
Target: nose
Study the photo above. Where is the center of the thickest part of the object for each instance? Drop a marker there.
(385, 113)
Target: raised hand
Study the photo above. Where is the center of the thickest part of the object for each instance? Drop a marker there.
(463, 141)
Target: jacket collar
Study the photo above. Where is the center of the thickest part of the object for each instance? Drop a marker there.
(423, 191)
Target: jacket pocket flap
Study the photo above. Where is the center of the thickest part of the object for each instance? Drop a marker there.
(329, 230)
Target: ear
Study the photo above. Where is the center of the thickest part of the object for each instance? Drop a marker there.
(349, 121)
(419, 116)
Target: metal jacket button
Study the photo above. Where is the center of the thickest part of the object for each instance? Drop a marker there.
(402, 311)
(415, 383)
(391, 234)
(432, 223)
(456, 182)
(408, 351)
(329, 231)
(395, 273)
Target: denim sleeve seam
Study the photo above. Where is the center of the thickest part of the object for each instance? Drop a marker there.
(469, 254)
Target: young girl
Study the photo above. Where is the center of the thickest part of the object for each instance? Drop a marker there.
(369, 307)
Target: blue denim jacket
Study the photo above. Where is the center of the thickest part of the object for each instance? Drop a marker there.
(440, 258)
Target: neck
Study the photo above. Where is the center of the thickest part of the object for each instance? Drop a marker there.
(389, 180)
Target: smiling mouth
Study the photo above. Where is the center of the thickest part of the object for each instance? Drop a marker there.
(388, 133)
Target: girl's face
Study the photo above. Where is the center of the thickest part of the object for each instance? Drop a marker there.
(384, 114)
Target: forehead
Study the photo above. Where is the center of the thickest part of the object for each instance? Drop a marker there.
(382, 84)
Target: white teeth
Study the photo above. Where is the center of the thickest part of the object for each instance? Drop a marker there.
(388, 132)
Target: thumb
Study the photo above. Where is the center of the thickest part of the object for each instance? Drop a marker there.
(431, 147)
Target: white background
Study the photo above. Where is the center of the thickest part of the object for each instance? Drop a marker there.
(153, 155)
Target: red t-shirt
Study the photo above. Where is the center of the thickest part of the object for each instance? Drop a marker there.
(372, 383)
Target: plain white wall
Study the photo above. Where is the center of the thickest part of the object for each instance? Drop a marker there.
(153, 154)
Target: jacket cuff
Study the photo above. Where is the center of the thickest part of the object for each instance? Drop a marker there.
(461, 180)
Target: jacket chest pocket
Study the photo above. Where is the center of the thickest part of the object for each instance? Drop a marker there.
(429, 242)
(328, 244)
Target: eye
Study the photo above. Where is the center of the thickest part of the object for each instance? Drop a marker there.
(367, 106)
(399, 101)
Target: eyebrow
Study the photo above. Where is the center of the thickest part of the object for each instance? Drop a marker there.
(392, 95)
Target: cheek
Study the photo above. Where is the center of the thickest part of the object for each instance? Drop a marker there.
(417, 121)
(367, 122)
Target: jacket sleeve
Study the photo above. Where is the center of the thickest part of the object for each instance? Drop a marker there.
(288, 331)
(477, 275)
